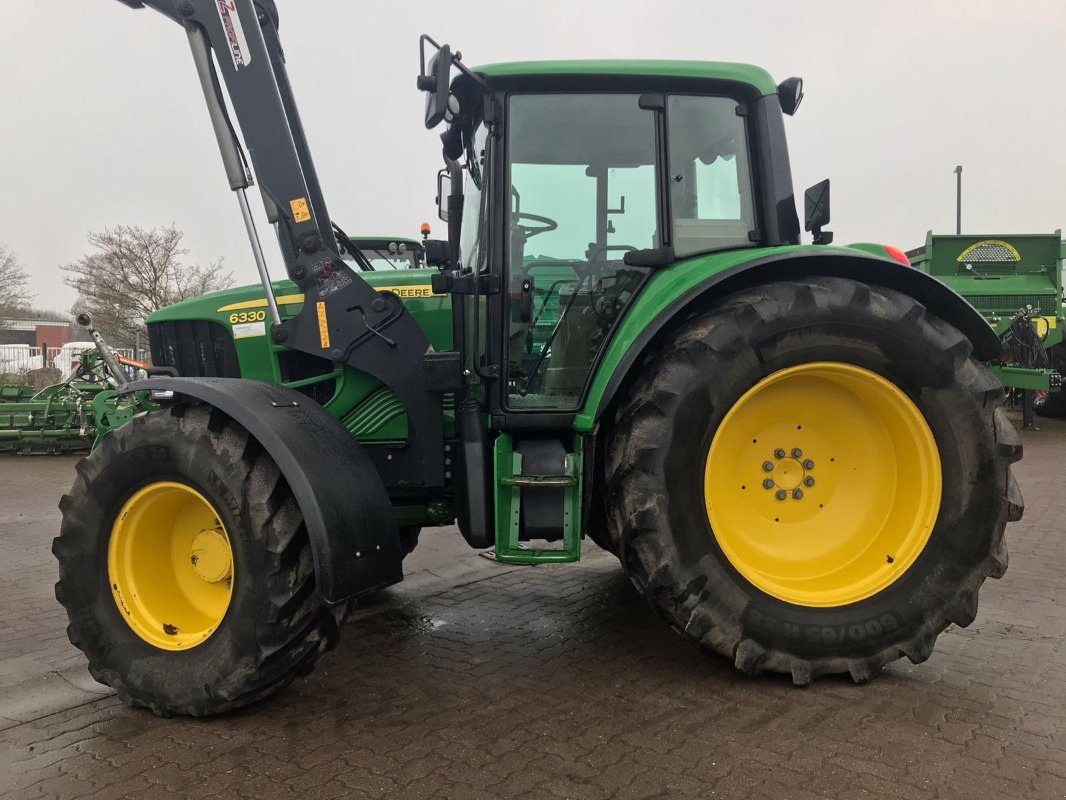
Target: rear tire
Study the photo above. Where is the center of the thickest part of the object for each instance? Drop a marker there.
(657, 464)
(275, 626)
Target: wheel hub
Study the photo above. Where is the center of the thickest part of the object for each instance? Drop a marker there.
(210, 556)
(170, 565)
(788, 474)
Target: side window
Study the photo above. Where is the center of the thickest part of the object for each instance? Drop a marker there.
(472, 234)
(710, 177)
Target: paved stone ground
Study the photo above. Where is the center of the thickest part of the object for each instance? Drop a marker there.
(477, 681)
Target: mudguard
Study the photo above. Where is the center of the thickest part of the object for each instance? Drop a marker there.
(346, 509)
(751, 269)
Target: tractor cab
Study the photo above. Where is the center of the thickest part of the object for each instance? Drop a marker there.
(568, 186)
(577, 181)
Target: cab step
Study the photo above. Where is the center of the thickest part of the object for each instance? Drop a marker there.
(537, 506)
(540, 481)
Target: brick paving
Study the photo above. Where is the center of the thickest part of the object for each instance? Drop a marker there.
(559, 682)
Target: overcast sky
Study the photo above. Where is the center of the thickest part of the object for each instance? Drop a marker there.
(104, 123)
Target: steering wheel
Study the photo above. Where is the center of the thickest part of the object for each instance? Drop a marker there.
(546, 224)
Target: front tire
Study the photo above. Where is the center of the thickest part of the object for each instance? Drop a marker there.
(409, 538)
(901, 465)
(186, 569)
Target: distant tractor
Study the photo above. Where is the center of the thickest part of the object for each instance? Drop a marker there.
(385, 252)
(1015, 282)
(794, 450)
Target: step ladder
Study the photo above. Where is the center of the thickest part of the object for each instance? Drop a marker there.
(513, 488)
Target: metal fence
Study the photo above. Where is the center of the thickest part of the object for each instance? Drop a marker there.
(19, 359)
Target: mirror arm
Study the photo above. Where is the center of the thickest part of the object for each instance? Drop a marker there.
(484, 84)
(425, 37)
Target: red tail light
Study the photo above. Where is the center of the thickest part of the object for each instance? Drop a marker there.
(898, 255)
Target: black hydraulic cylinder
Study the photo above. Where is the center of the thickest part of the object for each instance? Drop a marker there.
(227, 142)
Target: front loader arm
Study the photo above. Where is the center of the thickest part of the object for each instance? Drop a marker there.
(343, 318)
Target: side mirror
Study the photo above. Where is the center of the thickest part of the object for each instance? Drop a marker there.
(816, 211)
(435, 80)
(437, 253)
(790, 94)
(444, 188)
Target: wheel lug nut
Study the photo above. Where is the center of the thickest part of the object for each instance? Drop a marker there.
(797, 453)
(768, 466)
(768, 483)
(808, 464)
(808, 481)
(797, 494)
(779, 453)
(781, 494)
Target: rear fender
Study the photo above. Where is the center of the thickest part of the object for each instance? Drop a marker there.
(346, 509)
(673, 293)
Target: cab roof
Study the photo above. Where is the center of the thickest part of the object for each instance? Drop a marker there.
(704, 70)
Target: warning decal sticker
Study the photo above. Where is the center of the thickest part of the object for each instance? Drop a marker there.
(300, 211)
(246, 330)
(323, 326)
(330, 278)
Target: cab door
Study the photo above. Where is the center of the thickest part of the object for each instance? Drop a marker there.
(580, 180)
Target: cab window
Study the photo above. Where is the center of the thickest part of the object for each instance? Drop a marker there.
(710, 176)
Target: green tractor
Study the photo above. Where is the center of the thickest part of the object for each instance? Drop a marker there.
(795, 451)
(1015, 282)
(384, 252)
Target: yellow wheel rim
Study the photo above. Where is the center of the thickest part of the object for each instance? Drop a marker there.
(823, 484)
(170, 565)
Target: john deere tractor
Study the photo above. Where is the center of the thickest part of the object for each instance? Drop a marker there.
(387, 252)
(794, 450)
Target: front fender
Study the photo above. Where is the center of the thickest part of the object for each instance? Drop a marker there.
(346, 509)
(673, 290)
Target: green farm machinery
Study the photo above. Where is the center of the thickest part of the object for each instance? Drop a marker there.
(794, 450)
(1015, 282)
(68, 416)
(384, 252)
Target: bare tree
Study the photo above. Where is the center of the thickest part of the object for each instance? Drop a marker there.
(14, 291)
(135, 271)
